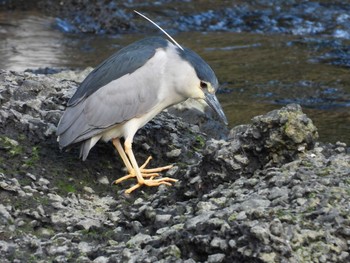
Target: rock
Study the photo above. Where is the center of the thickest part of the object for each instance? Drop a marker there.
(103, 180)
(43, 182)
(137, 240)
(219, 243)
(173, 153)
(255, 203)
(216, 258)
(269, 193)
(100, 259)
(84, 247)
(88, 190)
(162, 219)
(194, 221)
(5, 216)
(262, 233)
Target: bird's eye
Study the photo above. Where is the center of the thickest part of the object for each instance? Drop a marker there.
(204, 85)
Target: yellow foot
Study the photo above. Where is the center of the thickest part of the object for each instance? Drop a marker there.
(152, 182)
(146, 173)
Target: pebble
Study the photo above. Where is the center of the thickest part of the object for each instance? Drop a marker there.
(162, 219)
(43, 182)
(31, 176)
(88, 189)
(101, 259)
(173, 153)
(138, 239)
(5, 216)
(216, 258)
(103, 180)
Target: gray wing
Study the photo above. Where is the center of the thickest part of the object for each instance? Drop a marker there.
(123, 62)
(95, 109)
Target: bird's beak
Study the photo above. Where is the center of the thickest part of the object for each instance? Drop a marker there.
(213, 102)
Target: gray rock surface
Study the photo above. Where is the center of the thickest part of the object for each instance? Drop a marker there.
(269, 192)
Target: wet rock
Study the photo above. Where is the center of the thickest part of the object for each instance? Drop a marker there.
(287, 17)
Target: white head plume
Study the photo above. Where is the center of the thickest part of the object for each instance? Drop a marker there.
(154, 23)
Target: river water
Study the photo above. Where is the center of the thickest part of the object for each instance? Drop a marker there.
(258, 72)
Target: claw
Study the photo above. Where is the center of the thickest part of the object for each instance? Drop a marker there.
(140, 172)
(152, 182)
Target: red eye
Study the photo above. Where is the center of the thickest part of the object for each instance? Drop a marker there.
(204, 85)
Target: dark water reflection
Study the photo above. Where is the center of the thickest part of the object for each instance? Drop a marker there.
(259, 72)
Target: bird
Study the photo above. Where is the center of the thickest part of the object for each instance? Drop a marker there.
(129, 89)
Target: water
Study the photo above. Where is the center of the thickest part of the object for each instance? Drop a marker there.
(259, 72)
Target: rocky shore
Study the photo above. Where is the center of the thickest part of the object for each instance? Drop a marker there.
(266, 191)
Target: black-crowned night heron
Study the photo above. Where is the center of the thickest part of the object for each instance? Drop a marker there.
(126, 91)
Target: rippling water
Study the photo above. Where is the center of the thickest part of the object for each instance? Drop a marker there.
(259, 72)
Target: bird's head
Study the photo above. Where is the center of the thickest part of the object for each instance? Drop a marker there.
(208, 82)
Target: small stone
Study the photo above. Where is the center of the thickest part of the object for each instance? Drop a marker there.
(136, 226)
(5, 216)
(241, 159)
(232, 243)
(137, 240)
(138, 201)
(43, 182)
(55, 197)
(301, 201)
(146, 146)
(206, 206)
(340, 149)
(101, 259)
(88, 190)
(84, 247)
(173, 153)
(277, 192)
(216, 258)
(114, 216)
(21, 223)
(241, 216)
(31, 176)
(45, 232)
(255, 203)
(54, 250)
(340, 144)
(268, 257)
(174, 251)
(88, 223)
(261, 233)
(218, 243)
(162, 219)
(83, 259)
(344, 255)
(276, 227)
(192, 222)
(172, 171)
(41, 210)
(103, 180)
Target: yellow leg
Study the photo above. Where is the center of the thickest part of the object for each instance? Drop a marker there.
(140, 180)
(119, 147)
(146, 173)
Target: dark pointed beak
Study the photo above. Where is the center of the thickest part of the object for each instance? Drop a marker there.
(213, 102)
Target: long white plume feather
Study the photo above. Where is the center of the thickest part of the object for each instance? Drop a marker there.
(173, 40)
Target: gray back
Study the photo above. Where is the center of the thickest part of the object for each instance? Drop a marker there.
(118, 65)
